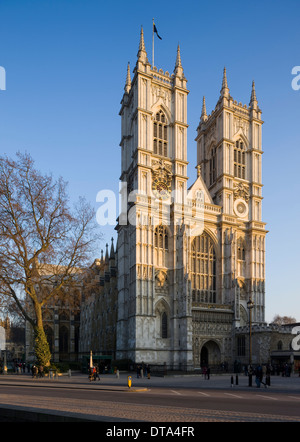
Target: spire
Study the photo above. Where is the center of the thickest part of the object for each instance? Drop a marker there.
(203, 113)
(112, 250)
(225, 90)
(128, 80)
(142, 54)
(253, 99)
(178, 58)
(106, 253)
(178, 66)
(142, 43)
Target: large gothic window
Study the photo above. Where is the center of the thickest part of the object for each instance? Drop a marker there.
(239, 160)
(164, 325)
(160, 134)
(63, 339)
(203, 271)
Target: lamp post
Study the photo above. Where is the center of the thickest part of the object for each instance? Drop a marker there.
(250, 306)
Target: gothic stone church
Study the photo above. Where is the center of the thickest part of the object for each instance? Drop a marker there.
(190, 256)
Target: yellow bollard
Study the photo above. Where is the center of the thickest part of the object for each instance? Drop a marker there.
(129, 381)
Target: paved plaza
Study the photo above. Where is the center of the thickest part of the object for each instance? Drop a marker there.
(73, 396)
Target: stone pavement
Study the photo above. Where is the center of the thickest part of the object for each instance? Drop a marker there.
(111, 381)
(67, 409)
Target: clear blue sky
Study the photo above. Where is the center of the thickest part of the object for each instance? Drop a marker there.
(65, 63)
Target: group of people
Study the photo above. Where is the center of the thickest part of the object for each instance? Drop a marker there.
(206, 372)
(143, 370)
(94, 373)
(37, 371)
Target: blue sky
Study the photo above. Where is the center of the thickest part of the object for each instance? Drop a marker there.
(66, 61)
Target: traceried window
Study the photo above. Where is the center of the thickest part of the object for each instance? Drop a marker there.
(203, 271)
(161, 237)
(213, 166)
(241, 253)
(241, 258)
(160, 134)
(240, 160)
(241, 346)
(164, 325)
(161, 246)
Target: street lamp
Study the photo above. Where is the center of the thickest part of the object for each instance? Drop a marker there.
(250, 305)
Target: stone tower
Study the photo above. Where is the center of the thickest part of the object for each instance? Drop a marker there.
(154, 319)
(229, 153)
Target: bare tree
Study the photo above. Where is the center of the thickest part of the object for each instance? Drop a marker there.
(280, 320)
(42, 241)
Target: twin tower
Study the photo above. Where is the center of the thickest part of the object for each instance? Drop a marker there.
(191, 256)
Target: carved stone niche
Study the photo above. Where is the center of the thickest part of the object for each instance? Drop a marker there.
(161, 280)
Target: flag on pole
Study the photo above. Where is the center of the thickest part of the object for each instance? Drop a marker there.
(155, 31)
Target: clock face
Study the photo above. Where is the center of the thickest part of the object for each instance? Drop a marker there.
(161, 189)
(241, 208)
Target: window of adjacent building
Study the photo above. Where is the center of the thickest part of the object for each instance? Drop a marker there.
(63, 339)
(241, 346)
(160, 134)
(203, 271)
(239, 160)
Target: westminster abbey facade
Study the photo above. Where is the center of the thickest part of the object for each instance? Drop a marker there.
(186, 277)
(190, 256)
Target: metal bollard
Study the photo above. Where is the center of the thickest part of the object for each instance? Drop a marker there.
(236, 380)
(129, 381)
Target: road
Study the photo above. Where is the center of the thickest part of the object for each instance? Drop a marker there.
(183, 399)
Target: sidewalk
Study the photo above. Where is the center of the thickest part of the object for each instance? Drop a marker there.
(110, 381)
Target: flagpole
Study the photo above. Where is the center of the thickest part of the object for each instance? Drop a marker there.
(153, 44)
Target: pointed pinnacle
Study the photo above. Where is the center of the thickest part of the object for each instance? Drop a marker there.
(224, 81)
(128, 80)
(178, 58)
(203, 113)
(142, 43)
(106, 253)
(112, 250)
(253, 93)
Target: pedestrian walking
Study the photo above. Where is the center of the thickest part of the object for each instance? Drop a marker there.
(97, 372)
(207, 373)
(257, 377)
(91, 370)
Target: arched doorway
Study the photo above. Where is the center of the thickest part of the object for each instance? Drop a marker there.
(210, 354)
(204, 357)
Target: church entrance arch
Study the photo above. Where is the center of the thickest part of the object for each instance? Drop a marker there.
(210, 354)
